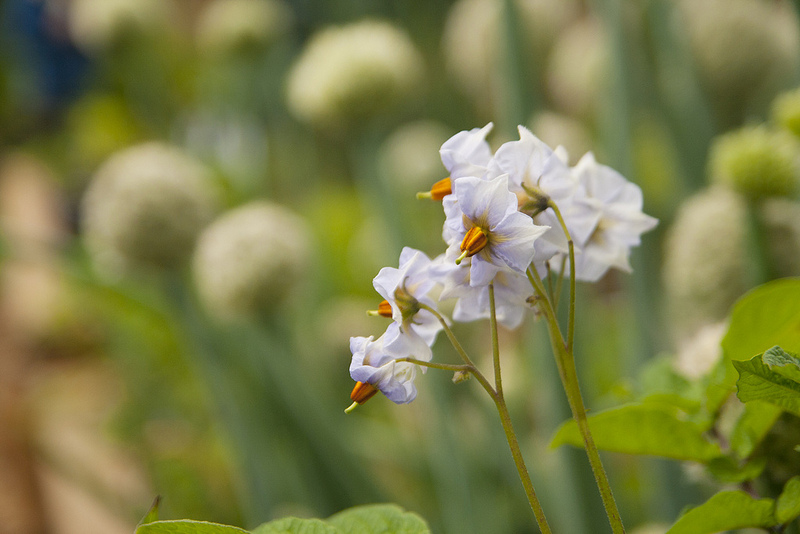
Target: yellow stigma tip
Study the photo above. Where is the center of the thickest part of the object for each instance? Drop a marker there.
(351, 407)
(460, 258)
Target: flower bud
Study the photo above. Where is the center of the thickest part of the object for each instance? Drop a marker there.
(351, 73)
(756, 161)
(144, 207)
(229, 26)
(98, 25)
(249, 259)
(705, 268)
(786, 111)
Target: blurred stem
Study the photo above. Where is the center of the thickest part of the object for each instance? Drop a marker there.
(505, 419)
(759, 246)
(569, 378)
(571, 245)
(514, 111)
(499, 401)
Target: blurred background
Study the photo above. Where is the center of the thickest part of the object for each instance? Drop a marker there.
(196, 194)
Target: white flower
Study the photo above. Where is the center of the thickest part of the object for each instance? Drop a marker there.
(404, 289)
(375, 367)
(621, 220)
(489, 230)
(511, 293)
(535, 169)
(467, 153)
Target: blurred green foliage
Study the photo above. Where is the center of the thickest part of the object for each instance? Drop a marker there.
(242, 422)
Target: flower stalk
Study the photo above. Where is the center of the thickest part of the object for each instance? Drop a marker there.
(565, 361)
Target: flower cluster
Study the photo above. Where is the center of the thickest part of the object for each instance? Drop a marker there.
(511, 217)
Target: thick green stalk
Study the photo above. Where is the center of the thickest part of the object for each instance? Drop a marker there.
(569, 378)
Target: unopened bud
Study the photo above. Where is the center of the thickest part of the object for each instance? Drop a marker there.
(460, 376)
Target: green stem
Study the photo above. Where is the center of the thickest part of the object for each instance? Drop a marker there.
(497, 397)
(498, 380)
(508, 428)
(440, 366)
(571, 245)
(569, 378)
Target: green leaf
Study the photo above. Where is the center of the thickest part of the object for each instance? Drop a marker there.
(777, 382)
(187, 527)
(727, 470)
(751, 427)
(764, 317)
(726, 510)
(788, 506)
(379, 519)
(293, 525)
(152, 513)
(651, 429)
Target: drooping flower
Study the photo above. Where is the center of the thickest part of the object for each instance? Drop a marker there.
(465, 154)
(404, 289)
(488, 229)
(374, 367)
(538, 175)
(511, 293)
(621, 221)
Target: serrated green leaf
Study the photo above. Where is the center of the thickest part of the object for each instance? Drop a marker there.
(650, 429)
(775, 384)
(751, 427)
(782, 362)
(788, 505)
(293, 525)
(378, 519)
(187, 527)
(726, 510)
(764, 317)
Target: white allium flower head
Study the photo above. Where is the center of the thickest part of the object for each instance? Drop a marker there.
(487, 207)
(353, 72)
(404, 288)
(250, 258)
(532, 166)
(472, 41)
(95, 25)
(375, 362)
(705, 260)
(145, 206)
(230, 25)
(621, 222)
